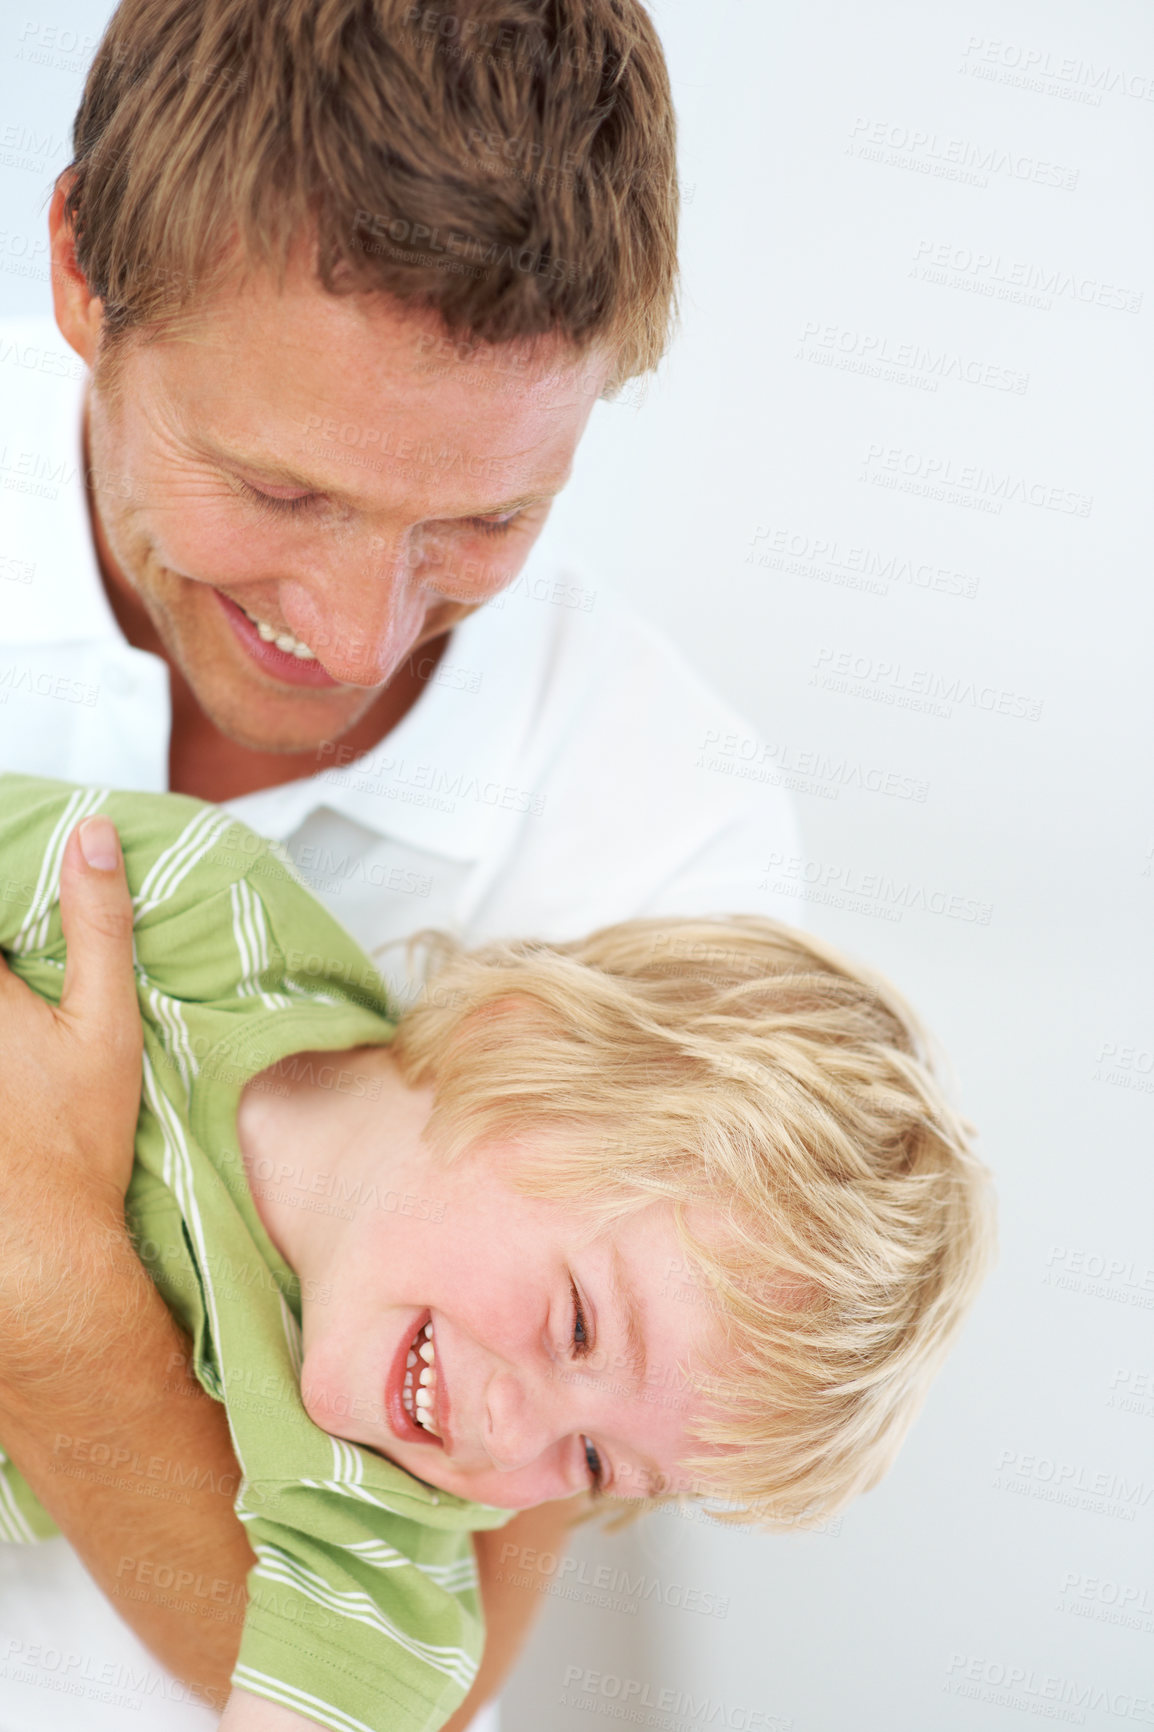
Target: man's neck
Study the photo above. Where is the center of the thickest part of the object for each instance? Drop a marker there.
(205, 762)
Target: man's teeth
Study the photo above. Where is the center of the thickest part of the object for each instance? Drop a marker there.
(284, 640)
(420, 1389)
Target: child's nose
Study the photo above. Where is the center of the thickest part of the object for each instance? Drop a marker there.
(519, 1429)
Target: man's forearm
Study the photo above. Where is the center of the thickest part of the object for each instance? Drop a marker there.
(133, 1460)
(512, 1592)
(134, 1463)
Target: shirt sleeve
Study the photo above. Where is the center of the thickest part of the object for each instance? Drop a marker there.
(751, 864)
(357, 1618)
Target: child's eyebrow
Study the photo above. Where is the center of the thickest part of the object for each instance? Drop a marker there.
(624, 1296)
(626, 1303)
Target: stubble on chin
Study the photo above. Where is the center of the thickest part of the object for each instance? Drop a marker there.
(246, 710)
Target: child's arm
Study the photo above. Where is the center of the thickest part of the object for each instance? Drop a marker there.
(510, 1608)
(509, 1615)
(246, 1713)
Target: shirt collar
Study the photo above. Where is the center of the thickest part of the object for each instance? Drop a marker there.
(450, 775)
(45, 496)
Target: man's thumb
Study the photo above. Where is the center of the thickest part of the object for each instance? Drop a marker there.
(96, 913)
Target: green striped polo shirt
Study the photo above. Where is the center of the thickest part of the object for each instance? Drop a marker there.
(364, 1612)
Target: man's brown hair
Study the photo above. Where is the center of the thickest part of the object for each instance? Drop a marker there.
(507, 164)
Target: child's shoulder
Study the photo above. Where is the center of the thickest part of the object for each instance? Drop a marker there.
(167, 839)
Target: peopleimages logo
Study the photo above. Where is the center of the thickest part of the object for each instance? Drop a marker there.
(1116, 1278)
(606, 1585)
(1020, 281)
(805, 770)
(988, 489)
(852, 565)
(875, 355)
(839, 885)
(928, 152)
(1048, 1694)
(642, 1703)
(1104, 1601)
(1072, 1483)
(1029, 67)
(883, 681)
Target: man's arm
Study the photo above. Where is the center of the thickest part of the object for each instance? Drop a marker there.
(94, 1379)
(94, 1384)
(88, 1460)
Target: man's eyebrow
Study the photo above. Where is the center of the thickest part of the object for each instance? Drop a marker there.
(269, 469)
(516, 504)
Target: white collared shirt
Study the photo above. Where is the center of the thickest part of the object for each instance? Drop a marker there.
(554, 775)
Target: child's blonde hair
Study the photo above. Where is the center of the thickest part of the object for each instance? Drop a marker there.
(745, 1066)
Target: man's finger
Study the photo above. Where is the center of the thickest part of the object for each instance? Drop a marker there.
(96, 913)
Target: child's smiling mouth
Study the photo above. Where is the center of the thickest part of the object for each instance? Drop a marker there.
(415, 1398)
(419, 1391)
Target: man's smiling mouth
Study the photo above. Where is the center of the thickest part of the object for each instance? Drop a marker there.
(284, 640)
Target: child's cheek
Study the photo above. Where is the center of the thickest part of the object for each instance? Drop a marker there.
(325, 1391)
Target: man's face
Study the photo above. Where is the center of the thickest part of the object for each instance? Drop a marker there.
(329, 471)
(554, 1358)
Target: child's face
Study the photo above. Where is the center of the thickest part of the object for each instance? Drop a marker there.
(533, 1391)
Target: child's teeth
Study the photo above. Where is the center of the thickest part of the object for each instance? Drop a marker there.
(420, 1396)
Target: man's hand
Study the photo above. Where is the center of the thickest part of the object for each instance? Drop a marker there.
(69, 1099)
(71, 1073)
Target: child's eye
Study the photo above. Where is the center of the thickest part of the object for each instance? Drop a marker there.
(580, 1333)
(593, 1463)
(581, 1345)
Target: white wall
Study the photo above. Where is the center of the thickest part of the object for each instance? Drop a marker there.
(832, 472)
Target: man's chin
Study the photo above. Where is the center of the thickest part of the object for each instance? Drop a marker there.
(334, 713)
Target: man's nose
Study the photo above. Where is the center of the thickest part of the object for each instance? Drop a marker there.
(362, 612)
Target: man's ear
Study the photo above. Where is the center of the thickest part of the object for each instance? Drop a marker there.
(78, 311)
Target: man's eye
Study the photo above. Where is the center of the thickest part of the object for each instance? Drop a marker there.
(493, 525)
(270, 502)
(593, 1463)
